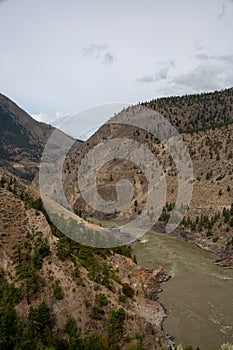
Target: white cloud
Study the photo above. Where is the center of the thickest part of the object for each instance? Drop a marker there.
(161, 74)
(46, 118)
(41, 117)
(227, 59)
(108, 58)
(100, 52)
(60, 115)
(94, 50)
(222, 13)
(214, 72)
(197, 46)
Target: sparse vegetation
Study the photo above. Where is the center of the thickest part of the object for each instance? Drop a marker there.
(115, 327)
(41, 250)
(127, 290)
(205, 121)
(57, 291)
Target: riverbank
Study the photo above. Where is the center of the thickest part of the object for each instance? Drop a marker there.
(145, 305)
(197, 298)
(225, 258)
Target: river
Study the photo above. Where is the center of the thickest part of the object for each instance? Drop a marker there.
(199, 296)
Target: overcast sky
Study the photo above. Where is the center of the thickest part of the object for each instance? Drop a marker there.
(58, 57)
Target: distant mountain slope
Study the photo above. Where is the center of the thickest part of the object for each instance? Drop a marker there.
(22, 138)
(195, 112)
(209, 220)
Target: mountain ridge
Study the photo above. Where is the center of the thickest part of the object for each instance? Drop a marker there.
(22, 139)
(196, 112)
(80, 297)
(208, 221)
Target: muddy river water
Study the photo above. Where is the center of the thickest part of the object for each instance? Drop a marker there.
(199, 296)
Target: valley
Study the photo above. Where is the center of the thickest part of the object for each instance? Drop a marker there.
(59, 294)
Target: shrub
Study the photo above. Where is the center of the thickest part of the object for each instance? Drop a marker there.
(39, 318)
(77, 274)
(115, 325)
(9, 322)
(75, 342)
(95, 342)
(101, 299)
(42, 249)
(209, 233)
(127, 290)
(57, 291)
(97, 313)
(63, 248)
(122, 298)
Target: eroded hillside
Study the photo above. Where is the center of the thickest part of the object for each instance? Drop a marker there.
(69, 296)
(209, 219)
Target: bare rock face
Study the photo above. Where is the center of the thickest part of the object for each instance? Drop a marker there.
(151, 281)
(225, 262)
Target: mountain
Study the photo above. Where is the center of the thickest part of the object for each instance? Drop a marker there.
(58, 294)
(206, 125)
(196, 112)
(54, 292)
(22, 139)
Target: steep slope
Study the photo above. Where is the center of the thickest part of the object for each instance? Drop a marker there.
(22, 138)
(209, 220)
(196, 112)
(62, 287)
(57, 286)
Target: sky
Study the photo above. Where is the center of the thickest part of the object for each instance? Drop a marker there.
(60, 57)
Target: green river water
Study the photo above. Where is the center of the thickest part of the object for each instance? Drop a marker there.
(199, 296)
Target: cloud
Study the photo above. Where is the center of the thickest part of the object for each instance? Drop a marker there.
(59, 119)
(108, 58)
(60, 115)
(41, 117)
(100, 52)
(197, 46)
(172, 63)
(212, 73)
(162, 74)
(202, 56)
(201, 78)
(168, 63)
(228, 59)
(222, 13)
(46, 118)
(94, 50)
